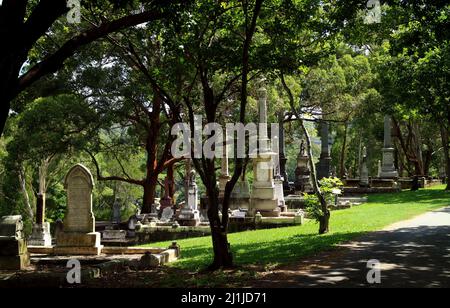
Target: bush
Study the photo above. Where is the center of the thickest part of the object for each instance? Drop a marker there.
(327, 186)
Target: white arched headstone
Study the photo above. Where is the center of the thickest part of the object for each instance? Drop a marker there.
(78, 235)
(79, 216)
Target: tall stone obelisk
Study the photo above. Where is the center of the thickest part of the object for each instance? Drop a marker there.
(282, 155)
(263, 197)
(324, 164)
(224, 176)
(364, 171)
(388, 170)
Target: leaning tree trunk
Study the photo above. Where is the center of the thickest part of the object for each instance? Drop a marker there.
(23, 187)
(324, 219)
(342, 159)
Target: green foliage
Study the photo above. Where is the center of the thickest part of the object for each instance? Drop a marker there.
(328, 186)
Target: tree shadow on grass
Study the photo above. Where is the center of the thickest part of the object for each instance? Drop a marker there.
(287, 250)
(420, 196)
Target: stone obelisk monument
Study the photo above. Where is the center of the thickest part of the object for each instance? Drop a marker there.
(388, 170)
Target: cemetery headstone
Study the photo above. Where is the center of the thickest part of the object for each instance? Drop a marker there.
(167, 214)
(13, 247)
(78, 235)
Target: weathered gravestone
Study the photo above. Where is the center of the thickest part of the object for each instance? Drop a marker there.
(13, 248)
(167, 214)
(78, 235)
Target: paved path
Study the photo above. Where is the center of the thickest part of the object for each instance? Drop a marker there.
(412, 253)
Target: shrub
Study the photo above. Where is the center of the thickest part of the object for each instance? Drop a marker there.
(327, 186)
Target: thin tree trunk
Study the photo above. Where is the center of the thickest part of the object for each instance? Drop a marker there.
(223, 258)
(4, 112)
(445, 145)
(23, 186)
(324, 220)
(342, 159)
(171, 178)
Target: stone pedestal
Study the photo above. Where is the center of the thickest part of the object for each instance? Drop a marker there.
(189, 215)
(279, 193)
(302, 182)
(13, 254)
(324, 167)
(388, 170)
(13, 248)
(78, 236)
(40, 235)
(263, 197)
(240, 196)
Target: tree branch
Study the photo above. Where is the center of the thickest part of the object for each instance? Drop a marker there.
(112, 178)
(55, 61)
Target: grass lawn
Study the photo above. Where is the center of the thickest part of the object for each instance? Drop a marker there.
(280, 246)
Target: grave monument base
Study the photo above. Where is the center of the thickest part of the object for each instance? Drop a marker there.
(13, 254)
(40, 235)
(74, 243)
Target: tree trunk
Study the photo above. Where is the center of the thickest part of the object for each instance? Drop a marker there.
(4, 112)
(325, 219)
(445, 145)
(324, 223)
(8, 81)
(411, 147)
(223, 258)
(342, 159)
(23, 186)
(171, 178)
(149, 195)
